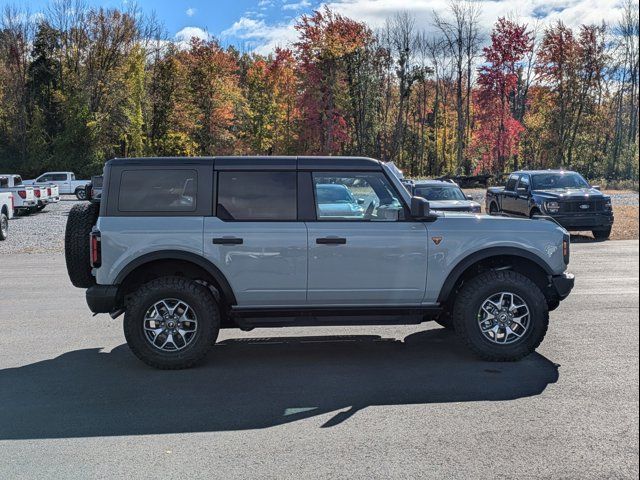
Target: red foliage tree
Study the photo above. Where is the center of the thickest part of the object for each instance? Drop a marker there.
(326, 40)
(497, 137)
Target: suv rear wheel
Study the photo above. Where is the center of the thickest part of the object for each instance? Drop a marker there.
(171, 322)
(501, 315)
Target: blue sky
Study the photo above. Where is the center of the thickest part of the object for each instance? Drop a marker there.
(263, 24)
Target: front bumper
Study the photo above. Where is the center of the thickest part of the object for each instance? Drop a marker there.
(585, 221)
(102, 298)
(562, 285)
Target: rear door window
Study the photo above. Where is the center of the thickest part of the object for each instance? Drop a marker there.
(158, 190)
(257, 196)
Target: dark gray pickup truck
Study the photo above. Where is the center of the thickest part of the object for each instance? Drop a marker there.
(563, 195)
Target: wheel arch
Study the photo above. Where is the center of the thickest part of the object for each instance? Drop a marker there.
(174, 262)
(513, 258)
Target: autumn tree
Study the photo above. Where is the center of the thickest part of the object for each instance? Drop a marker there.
(498, 134)
(327, 40)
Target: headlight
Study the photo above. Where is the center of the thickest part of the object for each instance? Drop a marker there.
(476, 209)
(552, 207)
(607, 205)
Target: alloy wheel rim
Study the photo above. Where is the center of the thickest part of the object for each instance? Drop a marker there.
(170, 325)
(504, 318)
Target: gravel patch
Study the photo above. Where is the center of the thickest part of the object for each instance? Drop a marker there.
(41, 232)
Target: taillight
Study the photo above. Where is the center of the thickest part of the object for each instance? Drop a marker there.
(96, 249)
(566, 249)
(22, 193)
(37, 192)
(49, 191)
(13, 205)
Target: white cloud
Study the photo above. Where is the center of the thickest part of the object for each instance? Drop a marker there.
(572, 12)
(262, 37)
(187, 33)
(296, 6)
(265, 37)
(190, 12)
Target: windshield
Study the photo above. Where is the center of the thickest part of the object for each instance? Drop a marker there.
(334, 194)
(549, 181)
(437, 192)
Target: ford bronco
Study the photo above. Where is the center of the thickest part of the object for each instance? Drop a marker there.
(185, 246)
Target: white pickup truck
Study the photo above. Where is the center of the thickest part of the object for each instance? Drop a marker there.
(24, 198)
(6, 213)
(66, 182)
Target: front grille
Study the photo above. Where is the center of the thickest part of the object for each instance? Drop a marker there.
(577, 206)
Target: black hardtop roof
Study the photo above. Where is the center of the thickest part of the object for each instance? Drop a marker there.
(258, 162)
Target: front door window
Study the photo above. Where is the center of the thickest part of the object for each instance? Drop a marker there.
(355, 197)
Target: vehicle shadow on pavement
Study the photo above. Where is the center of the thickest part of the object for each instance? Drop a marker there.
(253, 383)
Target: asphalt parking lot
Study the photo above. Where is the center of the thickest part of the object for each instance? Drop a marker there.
(365, 402)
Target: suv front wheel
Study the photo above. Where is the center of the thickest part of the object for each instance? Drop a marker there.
(501, 315)
(171, 322)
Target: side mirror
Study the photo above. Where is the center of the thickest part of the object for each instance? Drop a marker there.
(420, 209)
(596, 187)
(468, 197)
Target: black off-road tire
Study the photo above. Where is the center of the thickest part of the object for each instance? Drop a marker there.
(197, 296)
(602, 235)
(82, 218)
(493, 209)
(81, 193)
(468, 303)
(4, 226)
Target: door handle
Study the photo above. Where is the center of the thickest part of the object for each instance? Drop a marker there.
(331, 241)
(227, 241)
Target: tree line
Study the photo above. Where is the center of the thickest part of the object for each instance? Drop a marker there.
(81, 85)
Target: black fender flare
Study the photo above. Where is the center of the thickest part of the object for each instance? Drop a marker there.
(462, 265)
(198, 260)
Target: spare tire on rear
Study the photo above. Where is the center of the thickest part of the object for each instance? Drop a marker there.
(81, 220)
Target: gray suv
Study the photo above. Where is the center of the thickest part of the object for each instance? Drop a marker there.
(186, 246)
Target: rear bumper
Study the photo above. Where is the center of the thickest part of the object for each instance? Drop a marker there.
(588, 221)
(562, 285)
(102, 298)
(25, 205)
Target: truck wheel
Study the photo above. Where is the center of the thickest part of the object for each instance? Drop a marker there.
(501, 315)
(493, 209)
(81, 193)
(601, 235)
(171, 322)
(4, 226)
(81, 219)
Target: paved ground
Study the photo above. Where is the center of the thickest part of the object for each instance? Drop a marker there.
(400, 402)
